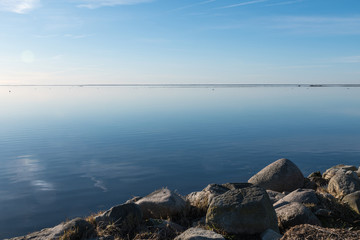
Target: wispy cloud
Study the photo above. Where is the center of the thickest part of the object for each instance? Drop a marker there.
(309, 66)
(92, 4)
(347, 59)
(304, 25)
(318, 25)
(19, 6)
(243, 4)
(68, 35)
(193, 5)
(46, 36)
(26, 168)
(284, 3)
(77, 36)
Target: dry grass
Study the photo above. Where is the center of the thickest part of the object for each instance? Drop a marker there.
(310, 232)
(71, 234)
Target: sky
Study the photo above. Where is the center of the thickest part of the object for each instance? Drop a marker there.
(179, 41)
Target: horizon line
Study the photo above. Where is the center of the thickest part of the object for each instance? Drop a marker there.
(189, 85)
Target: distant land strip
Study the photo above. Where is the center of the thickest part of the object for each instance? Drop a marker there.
(186, 85)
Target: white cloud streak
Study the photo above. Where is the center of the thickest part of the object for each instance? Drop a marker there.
(92, 4)
(193, 5)
(318, 25)
(284, 3)
(19, 6)
(244, 4)
(77, 36)
(303, 25)
(347, 59)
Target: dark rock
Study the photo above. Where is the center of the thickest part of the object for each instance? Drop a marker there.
(270, 235)
(281, 175)
(308, 184)
(323, 213)
(125, 217)
(316, 178)
(358, 172)
(316, 174)
(199, 222)
(242, 211)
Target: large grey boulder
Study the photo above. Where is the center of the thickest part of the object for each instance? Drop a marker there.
(199, 234)
(295, 213)
(246, 210)
(127, 217)
(343, 183)
(305, 196)
(75, 229)
(353, 199)
(281, 175)
(162, 203)
(329, 173)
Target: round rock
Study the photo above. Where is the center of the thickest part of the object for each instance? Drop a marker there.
(295, 213)
(343, 183)
(281, 175)
(162, 203)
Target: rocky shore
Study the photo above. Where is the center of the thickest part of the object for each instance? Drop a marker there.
(276, 203)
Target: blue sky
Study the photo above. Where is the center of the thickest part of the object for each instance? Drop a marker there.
(179, 41)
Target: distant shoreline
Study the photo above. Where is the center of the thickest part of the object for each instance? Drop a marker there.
(194, 85)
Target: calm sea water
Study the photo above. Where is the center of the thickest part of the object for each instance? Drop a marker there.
(70, 151)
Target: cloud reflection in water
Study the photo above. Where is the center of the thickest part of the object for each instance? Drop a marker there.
(26, 168)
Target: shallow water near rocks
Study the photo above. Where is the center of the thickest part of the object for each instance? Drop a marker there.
(72, 151)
